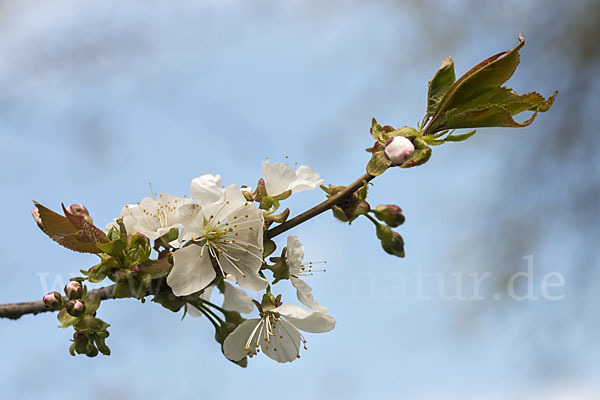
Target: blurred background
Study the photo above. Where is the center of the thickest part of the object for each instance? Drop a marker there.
(98, 98)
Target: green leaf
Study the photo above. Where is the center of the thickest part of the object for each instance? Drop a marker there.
(114, 247)
(460, 137)
(376, 130)
(477, 100)
(92, 302)
(339, 213)
(101, 344)
(378, 164)
(98, 272)
(93, 324)
(499, 115)
(66, 319)
(439, 85)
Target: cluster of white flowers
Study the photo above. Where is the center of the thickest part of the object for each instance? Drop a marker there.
(220, 239)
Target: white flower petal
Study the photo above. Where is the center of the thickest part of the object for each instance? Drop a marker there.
(245, 271)
(284, 345)
(192, 270)
(207, 189)
(234, 346)
(304, 294)
(236, 299)
(294, 254)
(154, 218)
(279, 178)
(308, 321)
(306, 179)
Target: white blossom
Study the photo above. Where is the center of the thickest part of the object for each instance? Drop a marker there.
(276, 333)
(152, 217)
(207, 189)
(294, 258)
(280, 178)
(229, 232)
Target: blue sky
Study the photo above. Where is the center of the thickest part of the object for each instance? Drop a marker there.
(100, 98)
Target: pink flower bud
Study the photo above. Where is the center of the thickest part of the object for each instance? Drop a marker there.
(75, 307)
(399, 149)
(53, 301)
(73, 290)
(391, 214)
(78, 209)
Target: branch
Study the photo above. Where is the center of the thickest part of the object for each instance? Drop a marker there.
(319, 208)
(17, 310)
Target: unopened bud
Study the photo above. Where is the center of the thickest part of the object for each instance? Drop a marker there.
(391, 214)
(73, 290)
(391, 241)
(79, 209)
(334, 189)
(395, 247)
(53, 301)
(398, 149)
(75, 307)
(357, 208)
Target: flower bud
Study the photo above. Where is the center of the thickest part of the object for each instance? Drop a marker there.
(79, 209)
(356, 208)
(73, 290)
(391, 214)
(75, 307)
(53, 301)
(398, 149)
(391, 241)
(332, 190)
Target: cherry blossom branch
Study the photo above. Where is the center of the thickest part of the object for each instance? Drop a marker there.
(319, 208)
(17, 310)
